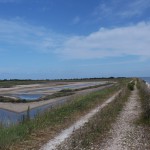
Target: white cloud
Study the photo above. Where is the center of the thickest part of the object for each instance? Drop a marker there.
(135, 8)
(116, 42)
(121, 9)
(132, 40)
(16, 33)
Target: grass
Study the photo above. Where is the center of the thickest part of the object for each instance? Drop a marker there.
(7, 99)
(145, 102)
(53, 121)
(96, 129)
(131, 85)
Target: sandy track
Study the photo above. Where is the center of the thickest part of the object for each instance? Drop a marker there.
(52, 144)
(125, 135)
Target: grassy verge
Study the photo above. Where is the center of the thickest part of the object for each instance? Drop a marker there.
(131, 85)
(51, 122)
(97, 128)
(145, 102)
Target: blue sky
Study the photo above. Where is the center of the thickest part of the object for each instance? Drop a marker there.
(74, 38)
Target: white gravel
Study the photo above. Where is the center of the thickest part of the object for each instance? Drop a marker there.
(125, 135)
(52, 144)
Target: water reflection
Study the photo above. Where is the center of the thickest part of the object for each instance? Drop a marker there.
(28, 96)
(8, 117)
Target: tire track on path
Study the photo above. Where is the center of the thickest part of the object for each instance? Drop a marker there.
(52, 144)
(125, 135)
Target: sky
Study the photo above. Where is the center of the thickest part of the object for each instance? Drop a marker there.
(52, 39)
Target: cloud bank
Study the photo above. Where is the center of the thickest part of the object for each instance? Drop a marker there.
(131, 40)
(114, 42)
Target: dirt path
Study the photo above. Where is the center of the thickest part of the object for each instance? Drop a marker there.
(52, 144)
(125, 134)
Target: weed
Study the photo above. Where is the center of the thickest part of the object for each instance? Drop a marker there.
(100, 124)
(131, 85)
(55, 119)
(145, 101)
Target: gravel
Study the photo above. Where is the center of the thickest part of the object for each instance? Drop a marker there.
(65, 134)
(125, 133)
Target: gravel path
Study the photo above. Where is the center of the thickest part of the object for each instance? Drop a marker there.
(125, 135)
(52, 144)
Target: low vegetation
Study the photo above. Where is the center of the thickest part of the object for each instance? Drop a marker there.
(131, 85)
(52, 121)
(96, 129)
(7, 99)
(145, 102)
(64, 92)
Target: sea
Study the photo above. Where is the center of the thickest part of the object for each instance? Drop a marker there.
(147, 79)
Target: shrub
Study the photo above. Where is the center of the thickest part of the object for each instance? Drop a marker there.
(131, 85)
(145, 101)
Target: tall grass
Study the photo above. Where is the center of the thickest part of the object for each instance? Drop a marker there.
(131, 85)
(54, 120)
(145, 101)
(99, 125)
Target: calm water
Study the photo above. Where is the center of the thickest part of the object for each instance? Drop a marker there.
(147, 79)
(28, 96)
(9, 117)
(34, 96)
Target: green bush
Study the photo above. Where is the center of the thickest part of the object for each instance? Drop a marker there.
(131, 86)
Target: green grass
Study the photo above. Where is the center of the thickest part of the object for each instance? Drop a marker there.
(145, 102)
(96, 129)
(55, 119)
(131, 85)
